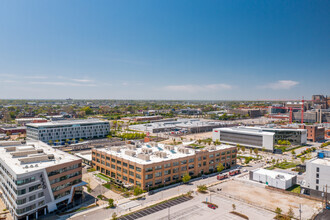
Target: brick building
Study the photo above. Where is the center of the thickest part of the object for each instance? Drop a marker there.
(314, 133)
(154, 165)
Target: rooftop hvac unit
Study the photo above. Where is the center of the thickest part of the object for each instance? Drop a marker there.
(144, 157)
(169, 147)
(116, 149)
(130, 153)
(131, 147)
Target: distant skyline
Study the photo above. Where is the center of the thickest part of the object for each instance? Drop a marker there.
(194, 50)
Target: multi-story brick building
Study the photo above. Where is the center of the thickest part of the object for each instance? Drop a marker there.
(36, 179)
(314, 133)
(153, 165)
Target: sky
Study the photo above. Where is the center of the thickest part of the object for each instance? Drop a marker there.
(153, 49)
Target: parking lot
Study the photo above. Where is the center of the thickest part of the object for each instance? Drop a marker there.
(157, 208)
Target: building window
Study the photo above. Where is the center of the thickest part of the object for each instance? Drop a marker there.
(317, 169)
(118, 162)
(183, 168)
(183, 162)
(175, 163)
(149, 176)
(211, 156)
(317, 188)
(138, 176)
(33, 197)
(317, 175)
(131, 167)
(191, 160)
(175, 170)
(167, 165)
(124, 164)
(158, 167)
(138, 169)
(131, 173)
(317, 181)
(158, 174)
(149, 169)
(131, 180)
(166, 172)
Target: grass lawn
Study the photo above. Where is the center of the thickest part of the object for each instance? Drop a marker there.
(103, 177)
(295, 189)
(283, 165)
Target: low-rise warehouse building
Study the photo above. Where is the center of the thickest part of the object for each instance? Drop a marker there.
(184, 125)
(273, 178)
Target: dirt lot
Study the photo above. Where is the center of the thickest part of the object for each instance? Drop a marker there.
(257, 194)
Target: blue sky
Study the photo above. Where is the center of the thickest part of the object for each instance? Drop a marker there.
(164, 49)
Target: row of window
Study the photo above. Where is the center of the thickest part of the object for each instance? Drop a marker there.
(25, 181)
(57, 188)
(65, 177)
(31, 198)
(31, 189)
(55, 172)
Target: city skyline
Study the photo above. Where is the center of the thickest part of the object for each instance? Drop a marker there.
(187, 50)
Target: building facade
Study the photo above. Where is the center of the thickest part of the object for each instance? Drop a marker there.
(155, 165)
(273, 178)
(248, 137)
(317, 175)
(314, 133)
(68, 129)
(37, 179)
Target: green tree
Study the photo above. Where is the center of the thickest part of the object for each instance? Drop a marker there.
(303, 159)
(290, 213)
(293, 152)
(87, 110)
(137, 191)
(250, 150)
(110, 203)
(278, 211)
(186, 178)
(256, 151)
(243, 148)
(201, 188)
(220, 167)
(114, 216)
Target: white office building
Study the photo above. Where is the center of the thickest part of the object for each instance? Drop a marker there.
(255, 138)
(317, 176)
(273, 178)
(36, 179)
(67, 129)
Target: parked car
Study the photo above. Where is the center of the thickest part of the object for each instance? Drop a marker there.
(211, 206)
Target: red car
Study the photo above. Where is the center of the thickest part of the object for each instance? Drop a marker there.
(211, 206)
(221, 177)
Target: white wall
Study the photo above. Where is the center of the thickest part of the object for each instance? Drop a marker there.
(268, 142)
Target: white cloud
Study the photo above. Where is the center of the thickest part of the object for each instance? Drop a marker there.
(281, 84)
(198, 88)
(83, 80)
(61, 83)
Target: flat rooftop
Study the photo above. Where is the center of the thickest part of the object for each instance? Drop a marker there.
(65, 122)
(321, 161)
(274, 174)
(180, 123)
(18, 156)
(245, 130)
(171, 152)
